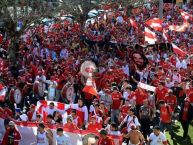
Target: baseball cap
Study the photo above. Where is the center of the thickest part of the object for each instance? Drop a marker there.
(11, 123)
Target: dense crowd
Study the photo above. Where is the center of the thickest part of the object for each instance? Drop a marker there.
(49, 57)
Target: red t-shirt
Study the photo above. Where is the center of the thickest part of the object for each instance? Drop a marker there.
(124, 110)
(165, 116)
(172, 101)
(140, 96)
(160, 94)
(106, 141)
(94, 127)
(116, 97)
(185, 112)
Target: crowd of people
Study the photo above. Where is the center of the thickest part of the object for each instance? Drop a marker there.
(49, 57)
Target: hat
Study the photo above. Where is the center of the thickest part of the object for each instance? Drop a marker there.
(102, 102)
(103, 131)
(32, 106)
(11, 123)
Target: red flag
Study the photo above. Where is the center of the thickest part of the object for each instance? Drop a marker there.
(133, 23)
(43, 104)
(155, 23)
(150, 36)
(178, 51)
(90, 88)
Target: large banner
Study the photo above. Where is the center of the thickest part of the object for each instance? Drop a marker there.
(28, 132)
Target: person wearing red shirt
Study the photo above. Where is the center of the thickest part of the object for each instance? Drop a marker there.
(160, 92)
(70, 125)
(32, 113)
(116, 105)
(155, 81)
(76, 119)
(8, 112)
(93, 124)
(171, 100)
(186, 116)
(124, 110)
(12, 135)
(166, 118)
(105, 113)
(104, 139)
(140, 95)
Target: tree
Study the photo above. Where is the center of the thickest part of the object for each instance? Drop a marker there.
(18, 15)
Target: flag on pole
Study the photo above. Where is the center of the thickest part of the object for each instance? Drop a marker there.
(150, 36)
(155, 23)
(133, 23)
(178, 51)
(166, 36)
(90, 88)
(44, 104)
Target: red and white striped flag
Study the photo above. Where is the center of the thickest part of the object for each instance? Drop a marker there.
(150, 36)
(179, 28)
(43, 105)
(185, 15)
(155, 23)
(133, 23)
(178, 51)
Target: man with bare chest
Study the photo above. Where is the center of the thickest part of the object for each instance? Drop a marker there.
(135, 136)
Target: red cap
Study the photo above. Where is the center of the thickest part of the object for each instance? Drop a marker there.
(32, 106)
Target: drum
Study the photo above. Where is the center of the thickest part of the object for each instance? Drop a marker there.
(15, 95)
(67, 92)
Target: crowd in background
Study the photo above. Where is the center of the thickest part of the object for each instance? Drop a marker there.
(53, 53)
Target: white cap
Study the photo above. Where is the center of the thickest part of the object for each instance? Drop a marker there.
(11, 123)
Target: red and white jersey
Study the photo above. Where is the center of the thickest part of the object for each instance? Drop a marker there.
(82, 112)
(31, 116)
(77, 121)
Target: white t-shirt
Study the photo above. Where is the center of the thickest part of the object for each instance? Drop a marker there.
(63, 140)
(157, 140)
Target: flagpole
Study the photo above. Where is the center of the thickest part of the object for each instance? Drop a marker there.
(161, 9)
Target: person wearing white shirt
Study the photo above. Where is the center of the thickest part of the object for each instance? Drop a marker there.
(157, 137)
(62, 139)
(50, 110)
(130, 120)
(120, 19)
(184, 64)
(64, 54)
